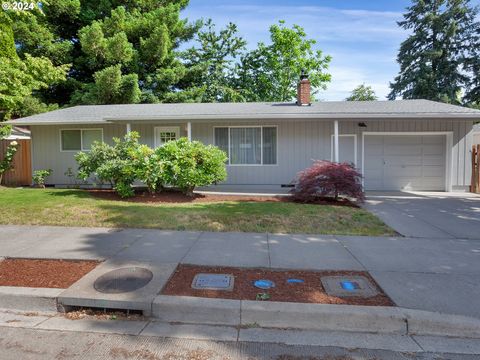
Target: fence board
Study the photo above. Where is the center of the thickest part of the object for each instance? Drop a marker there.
(21, 174)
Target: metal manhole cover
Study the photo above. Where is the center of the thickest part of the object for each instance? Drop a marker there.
(123, 280)
(213, 282)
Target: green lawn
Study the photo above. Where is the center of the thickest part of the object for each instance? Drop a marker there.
(79, 208)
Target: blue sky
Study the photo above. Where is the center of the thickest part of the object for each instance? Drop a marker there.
(361, 35)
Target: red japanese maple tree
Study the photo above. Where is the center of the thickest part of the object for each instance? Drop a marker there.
(328, 179)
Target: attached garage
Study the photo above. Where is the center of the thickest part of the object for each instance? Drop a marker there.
(399, 161)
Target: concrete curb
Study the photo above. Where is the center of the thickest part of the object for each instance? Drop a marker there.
(323, 317)
(318, 317)
(275, 315)
(29, 299)
(187, 309)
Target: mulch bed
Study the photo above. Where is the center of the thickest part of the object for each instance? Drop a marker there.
(171, 196)
(43, 273)
(311, 291)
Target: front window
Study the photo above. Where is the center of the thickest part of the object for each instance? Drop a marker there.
(248, 145)
(79, 139)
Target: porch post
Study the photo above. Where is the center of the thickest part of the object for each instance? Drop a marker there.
(129, 128)
(189, 131)
(335, 140)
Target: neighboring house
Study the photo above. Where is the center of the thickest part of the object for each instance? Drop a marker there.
(18, 133)
(407, 144)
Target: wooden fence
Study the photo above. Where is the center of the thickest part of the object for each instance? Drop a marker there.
(475, 184)
(21, 174)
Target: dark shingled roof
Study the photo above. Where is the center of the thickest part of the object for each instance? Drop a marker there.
(98, 114)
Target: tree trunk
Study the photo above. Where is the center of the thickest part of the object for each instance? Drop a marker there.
(189, 191)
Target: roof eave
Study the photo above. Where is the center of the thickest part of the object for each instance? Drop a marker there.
(296, 116)
(46, 122)
(313, 116)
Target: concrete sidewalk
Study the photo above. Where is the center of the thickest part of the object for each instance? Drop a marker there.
(440, 275)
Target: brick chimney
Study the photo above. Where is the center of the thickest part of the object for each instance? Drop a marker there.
(303, 90)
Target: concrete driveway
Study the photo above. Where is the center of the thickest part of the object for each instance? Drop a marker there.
(428, 214)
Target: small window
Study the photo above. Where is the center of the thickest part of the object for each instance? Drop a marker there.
(166, 134)
(253, 145)
(80, 139)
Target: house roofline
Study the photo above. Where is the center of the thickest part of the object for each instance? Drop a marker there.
(209, 117)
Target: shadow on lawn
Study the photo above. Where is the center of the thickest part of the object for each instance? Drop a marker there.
(80, 193)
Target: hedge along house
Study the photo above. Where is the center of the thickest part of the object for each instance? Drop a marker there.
(397, 145)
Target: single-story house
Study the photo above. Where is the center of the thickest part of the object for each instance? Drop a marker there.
(405, 144)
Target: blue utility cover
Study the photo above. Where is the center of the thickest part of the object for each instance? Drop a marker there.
(264, 284)
(295, 281)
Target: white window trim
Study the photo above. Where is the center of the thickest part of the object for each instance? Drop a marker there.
(81, 138)
(354, 144)
(261, 142)
(156, 140)
(448, 151)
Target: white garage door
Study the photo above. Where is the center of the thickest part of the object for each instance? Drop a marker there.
(405, 162)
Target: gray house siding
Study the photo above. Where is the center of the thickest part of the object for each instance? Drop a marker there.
(299, 142)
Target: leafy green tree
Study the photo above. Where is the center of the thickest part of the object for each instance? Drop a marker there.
(362, 93)
(211, 65)
(434, 58)
(20, 77)
(7, 44)
(271, 72)
(141, 37)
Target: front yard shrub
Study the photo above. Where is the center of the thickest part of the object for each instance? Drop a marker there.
(328, 179)
(39, 177)
(188, 164)
(181, 164)
(114, 164)
(149, 168)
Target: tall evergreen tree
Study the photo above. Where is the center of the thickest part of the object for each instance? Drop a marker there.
(139, 37)
(433, 59)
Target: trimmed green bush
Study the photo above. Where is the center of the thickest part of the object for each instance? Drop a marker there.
(188, 164)
(149, 168)
(39, 177)
(114, 164)
(181, 164)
